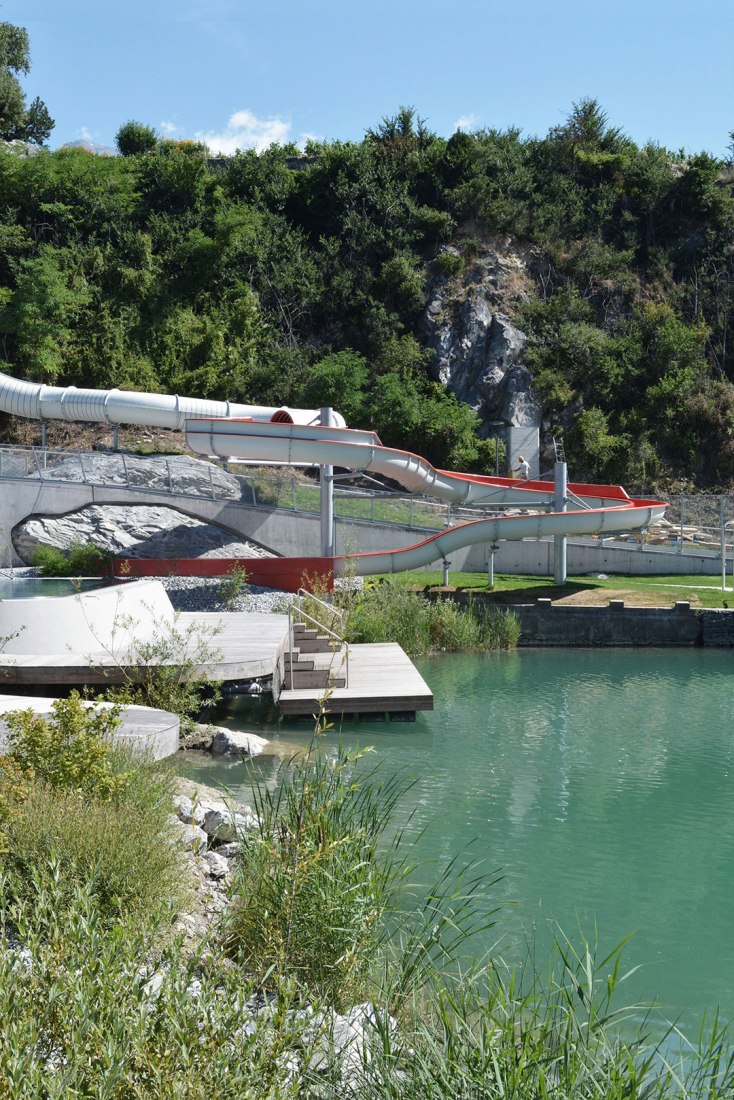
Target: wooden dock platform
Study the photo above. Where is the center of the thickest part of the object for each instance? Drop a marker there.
(242, 645)
(382, 680)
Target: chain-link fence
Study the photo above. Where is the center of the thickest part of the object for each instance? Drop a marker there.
(693, 523)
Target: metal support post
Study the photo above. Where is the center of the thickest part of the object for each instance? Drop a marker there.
(326, 482)
(560, 504)
(446, 566)
(493, 548)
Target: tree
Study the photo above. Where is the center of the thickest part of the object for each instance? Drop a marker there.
(18, 122)
(134, 138)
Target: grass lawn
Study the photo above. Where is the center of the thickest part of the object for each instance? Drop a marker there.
(653, 591)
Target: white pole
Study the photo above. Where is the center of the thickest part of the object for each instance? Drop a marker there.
(326, 482)
(560, 504)
(493, 548)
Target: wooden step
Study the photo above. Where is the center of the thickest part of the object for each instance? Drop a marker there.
(320, 678)
(300, 631)
(298, 665)
(315, 645)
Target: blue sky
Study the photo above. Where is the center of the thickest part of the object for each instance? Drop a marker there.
(246, 72)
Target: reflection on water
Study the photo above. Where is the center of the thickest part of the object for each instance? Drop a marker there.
(24, 588)
(600, 782)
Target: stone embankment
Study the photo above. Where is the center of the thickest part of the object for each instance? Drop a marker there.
(545, 623)
(211, 832)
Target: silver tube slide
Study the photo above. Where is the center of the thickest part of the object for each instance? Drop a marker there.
(588, 522)
(606, 508)
(362, 451)
(156, 410)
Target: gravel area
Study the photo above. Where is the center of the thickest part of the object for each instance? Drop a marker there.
(203, 593)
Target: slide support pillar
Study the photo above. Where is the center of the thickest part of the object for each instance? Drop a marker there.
(560, 504)
(446, 567)
(326, 482)
(493, 548)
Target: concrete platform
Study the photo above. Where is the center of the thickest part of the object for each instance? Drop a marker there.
(96, 637)
(142, 728)
(382, 680)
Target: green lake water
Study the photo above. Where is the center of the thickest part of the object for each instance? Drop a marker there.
(601, 783)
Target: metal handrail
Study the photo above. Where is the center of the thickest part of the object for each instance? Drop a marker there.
(322, 603)
(319, 626)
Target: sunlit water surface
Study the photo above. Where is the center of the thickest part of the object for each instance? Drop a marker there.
(599, 782)
(24, 588)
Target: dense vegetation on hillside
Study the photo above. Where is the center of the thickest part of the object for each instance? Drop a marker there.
(251, 280)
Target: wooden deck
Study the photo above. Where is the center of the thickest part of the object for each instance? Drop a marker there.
(243, 647)
(382, 679)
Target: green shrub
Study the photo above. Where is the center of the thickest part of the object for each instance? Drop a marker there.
(82, 559)
(80, 1019)
(168, 670)
(449, 264)
(310, 888)
(70, 750)
(121, 848)
(232, 586)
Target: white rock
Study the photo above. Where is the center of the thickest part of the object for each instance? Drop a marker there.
(153, 987)
(236, 741)
(217, 866)
(230, 849)
(350, 1037)
(224, 824)
(187, 811)
(191, 837)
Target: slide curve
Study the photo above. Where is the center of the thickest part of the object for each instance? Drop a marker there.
(294, 436)
(596, 509)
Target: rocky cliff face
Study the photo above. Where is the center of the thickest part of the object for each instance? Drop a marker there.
(479, 352)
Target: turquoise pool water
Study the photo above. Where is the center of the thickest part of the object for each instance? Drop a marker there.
(23, 588)
(601, 783)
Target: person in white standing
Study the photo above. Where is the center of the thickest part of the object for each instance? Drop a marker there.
(523, 468)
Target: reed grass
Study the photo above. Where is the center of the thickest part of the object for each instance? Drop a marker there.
(392, 613)
(312, 885)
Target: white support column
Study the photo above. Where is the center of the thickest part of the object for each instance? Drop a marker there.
(560, 504)
(326, 482)
(493, 548)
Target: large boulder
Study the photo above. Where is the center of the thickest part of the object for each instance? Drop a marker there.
(135, 530)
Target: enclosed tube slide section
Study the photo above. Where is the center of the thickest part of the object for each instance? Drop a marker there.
(156, 410)
(362, 451)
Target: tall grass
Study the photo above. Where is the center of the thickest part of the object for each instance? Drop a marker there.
(96, 811)
(122, 847)
(312, 886)
(80, 1019)
(391, 613)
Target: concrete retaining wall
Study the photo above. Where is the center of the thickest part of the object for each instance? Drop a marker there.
(547, 624)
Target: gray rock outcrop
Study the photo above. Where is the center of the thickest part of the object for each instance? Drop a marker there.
(479, 352)
(136, 530)
(177, 473)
